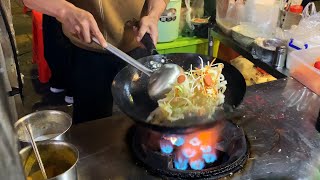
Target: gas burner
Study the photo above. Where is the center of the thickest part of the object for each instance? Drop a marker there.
(211, 153)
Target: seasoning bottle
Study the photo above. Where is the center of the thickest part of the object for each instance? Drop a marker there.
(280, 57)
(292, 17)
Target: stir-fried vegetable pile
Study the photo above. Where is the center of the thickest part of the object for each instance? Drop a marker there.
(196, 92)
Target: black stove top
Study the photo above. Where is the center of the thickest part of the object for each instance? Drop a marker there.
(174, 156)
(278, 119)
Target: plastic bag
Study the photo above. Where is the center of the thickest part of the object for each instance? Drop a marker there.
(188, 14)
(264, 14)
(309, 7)
(193, 23)
(194, 10)
(230, 10)
(307, 33)
(302, 99)
(229, 13)
(197, 9)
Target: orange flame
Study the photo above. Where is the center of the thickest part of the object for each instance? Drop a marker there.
(198, 148)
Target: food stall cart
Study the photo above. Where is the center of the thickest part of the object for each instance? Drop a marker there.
(279, 120)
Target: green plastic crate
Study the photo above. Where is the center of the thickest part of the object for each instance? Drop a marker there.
(184, 45)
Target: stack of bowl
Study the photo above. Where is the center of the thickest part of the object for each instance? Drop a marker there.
(49, 129)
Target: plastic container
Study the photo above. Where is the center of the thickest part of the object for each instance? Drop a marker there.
(292, 17)
(169, 22)
(300, 63)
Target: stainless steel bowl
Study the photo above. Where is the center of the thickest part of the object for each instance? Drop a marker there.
(45, 125)
(59, 159)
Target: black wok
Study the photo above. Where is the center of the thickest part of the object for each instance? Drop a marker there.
(129, 91)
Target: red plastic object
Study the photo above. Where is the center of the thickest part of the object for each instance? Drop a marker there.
(25, 9)
(38, 49)
(296, 9)
(317, 65)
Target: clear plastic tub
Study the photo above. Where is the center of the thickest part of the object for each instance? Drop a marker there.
(301, 66)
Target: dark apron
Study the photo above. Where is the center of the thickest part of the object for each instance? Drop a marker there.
(94, 73)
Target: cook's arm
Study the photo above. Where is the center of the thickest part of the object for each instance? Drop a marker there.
(149, 23)
(75, 20)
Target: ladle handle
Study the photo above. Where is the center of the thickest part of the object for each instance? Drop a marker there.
(126, 57)
(36, 151)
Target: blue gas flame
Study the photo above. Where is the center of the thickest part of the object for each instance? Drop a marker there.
(197, 164)
(179, 141)
(209, 157)
(206, 149)
(181, 163)
(166, 146)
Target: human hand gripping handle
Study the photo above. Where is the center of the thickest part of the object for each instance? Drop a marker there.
(82, 24)
(148, 25)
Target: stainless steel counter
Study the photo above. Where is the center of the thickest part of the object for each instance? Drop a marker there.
(278, 118)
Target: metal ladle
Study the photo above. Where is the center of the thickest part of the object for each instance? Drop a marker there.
(161, 80)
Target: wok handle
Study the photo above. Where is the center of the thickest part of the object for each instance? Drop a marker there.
(148, 43)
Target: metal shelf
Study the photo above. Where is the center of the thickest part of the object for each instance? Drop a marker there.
(216, 34)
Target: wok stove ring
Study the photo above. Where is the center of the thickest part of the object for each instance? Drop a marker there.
(231, 151)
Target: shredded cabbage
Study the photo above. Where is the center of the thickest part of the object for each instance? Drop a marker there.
(199, 92)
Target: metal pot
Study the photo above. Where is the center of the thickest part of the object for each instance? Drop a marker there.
(59, 159)
(45, 125)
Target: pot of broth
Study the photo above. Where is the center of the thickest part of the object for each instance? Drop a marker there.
(59, 160)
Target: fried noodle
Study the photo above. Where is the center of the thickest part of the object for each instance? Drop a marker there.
(198, 91)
